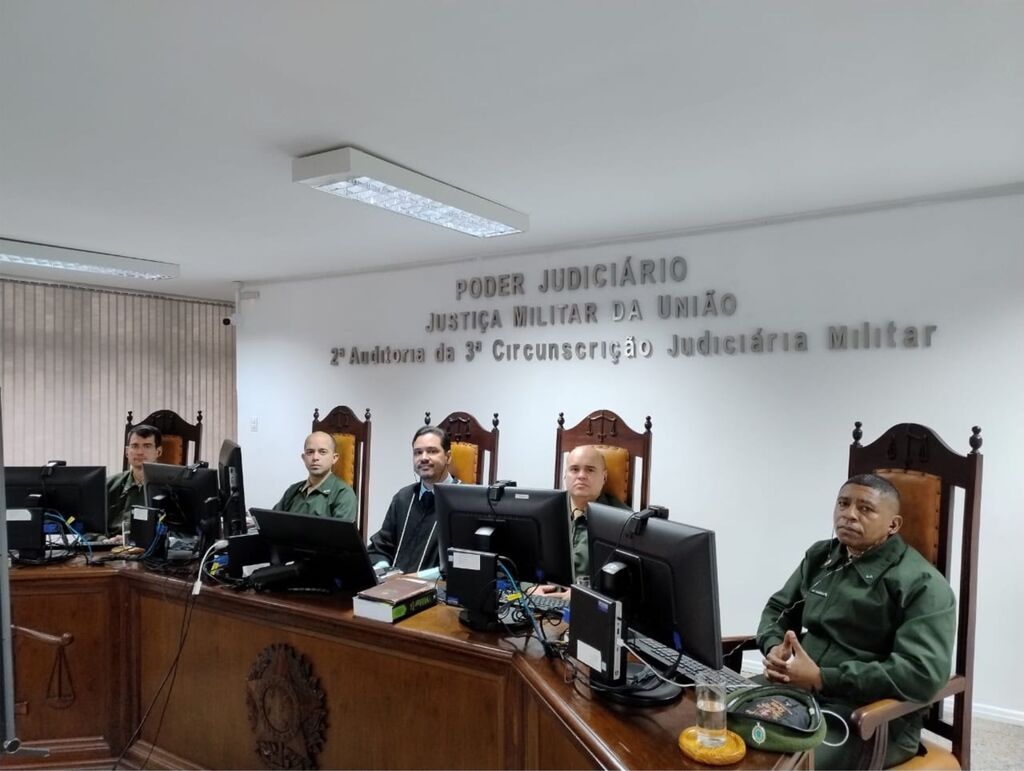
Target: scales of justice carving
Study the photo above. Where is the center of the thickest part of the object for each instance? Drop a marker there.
(60, 690)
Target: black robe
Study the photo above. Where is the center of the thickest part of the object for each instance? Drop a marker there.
(418, 545)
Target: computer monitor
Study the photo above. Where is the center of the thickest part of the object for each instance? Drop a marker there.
(232, 492)
(666, 575)
(189, 496)
(527, 529)
(76, 493)
(324, 552)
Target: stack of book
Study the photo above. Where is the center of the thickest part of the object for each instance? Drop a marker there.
(394, 599)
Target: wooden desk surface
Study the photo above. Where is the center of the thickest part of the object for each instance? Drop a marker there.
(425, 693)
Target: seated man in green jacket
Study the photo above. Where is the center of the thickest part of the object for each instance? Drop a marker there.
(322, 493)
(126, 490)
(585, 476)
(864, 617)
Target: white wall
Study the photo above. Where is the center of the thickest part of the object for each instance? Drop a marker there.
(753, 445)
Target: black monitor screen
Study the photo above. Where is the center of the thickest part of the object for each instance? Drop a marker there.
(232, 492)
(670, 585)
(333, 548)
(529, 528)
(188, 496)
(76, 493)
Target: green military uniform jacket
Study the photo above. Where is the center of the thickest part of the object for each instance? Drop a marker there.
(123, 492)
(880, 626)
(580, 535)
(331, 498)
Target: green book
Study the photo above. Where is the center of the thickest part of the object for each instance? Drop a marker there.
(394, 599)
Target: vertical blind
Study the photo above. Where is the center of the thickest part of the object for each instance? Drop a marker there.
(74, 361)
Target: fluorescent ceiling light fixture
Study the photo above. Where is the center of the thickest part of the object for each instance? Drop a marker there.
(59, 258)
(351, 173)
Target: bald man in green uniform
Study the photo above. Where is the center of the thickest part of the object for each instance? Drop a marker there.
(321, 493)
(586, 474)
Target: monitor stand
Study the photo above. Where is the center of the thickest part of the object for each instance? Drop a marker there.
(598, 637)
(641, 688)
(479, 621)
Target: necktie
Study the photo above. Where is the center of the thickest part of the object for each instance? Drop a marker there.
(427, 502)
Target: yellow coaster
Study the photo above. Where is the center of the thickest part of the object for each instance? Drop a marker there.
(731, 752)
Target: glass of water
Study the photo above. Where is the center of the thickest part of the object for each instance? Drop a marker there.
(710, 693)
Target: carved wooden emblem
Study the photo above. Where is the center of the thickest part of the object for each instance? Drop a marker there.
(286, 708)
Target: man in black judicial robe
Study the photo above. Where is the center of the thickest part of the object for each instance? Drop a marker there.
(407, 541)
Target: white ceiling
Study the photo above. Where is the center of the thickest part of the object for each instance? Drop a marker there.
(166, 130)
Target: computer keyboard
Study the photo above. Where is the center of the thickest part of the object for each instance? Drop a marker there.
(541, 603)
(546, 602)
(73, 541)
(686, 668)
(103, 544)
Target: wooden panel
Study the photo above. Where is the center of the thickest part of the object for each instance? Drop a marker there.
(549, 744)
(371, 694)
(427, 693)
(74, 716)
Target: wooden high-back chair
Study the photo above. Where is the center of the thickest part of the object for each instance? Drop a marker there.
(621, 447)
(470, 441)
(352, 440)
(177, 434)
(927, 472)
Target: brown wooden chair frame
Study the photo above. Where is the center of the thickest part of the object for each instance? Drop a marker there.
(342, 420)
(913, 447)
(605, 427)
(463, 427)
(170, 423)
(909, 446)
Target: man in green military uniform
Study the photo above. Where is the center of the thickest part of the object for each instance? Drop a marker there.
(126, 490)
(584, 479)
(321, 493)
(879, 621)
(586, 474)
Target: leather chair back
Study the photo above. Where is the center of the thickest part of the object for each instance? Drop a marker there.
(177, 435)
(617, 461)
(621, 446)
(474, 451)
(352, 442)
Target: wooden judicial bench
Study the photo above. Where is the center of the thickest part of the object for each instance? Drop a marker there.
(300, 678)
